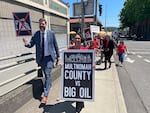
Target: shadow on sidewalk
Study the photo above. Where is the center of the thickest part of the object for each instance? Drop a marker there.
(102, 69)
(37, 87)
(61, 107)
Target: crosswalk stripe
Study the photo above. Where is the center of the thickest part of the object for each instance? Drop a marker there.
(129, 60)
(146, 60)
(139, 56)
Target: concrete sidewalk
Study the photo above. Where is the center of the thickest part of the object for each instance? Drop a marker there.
(108, 93)
(108, 96)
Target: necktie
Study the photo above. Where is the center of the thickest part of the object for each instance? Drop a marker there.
(42, 45)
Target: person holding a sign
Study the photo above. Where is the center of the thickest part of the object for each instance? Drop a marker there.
(77, 45)
(46, 51)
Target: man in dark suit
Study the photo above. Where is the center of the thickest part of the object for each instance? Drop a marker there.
(108, 46)
(46, 50)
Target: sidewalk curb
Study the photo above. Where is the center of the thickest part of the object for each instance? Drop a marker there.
(119, 94)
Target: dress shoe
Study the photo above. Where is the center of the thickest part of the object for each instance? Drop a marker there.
(79, 107)
(44, 99)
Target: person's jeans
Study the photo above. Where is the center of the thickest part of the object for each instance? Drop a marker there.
(47, 66)
(121, 57)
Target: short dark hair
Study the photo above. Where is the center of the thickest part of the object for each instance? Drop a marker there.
(82, 39)
(121, 41)
(42, 19)
(79, 34)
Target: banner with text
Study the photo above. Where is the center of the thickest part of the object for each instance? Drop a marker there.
(94, 30)
(78, 75)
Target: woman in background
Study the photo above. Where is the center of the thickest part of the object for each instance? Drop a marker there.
(77, 45)
(121, 51)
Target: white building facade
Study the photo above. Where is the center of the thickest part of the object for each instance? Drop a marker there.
(55, 12)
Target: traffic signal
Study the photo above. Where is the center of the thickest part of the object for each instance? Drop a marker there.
(100, 9)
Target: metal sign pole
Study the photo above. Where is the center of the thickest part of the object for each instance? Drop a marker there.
(96, 13)
(82, 19)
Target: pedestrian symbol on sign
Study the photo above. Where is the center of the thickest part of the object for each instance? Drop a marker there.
(22, 24)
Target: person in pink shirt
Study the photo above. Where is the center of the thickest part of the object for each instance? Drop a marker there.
(121, 51)
(77, 45)
(96, 45)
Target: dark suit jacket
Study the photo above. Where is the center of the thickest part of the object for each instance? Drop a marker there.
(52, 44)
(110, 47)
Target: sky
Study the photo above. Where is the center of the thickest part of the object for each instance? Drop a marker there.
(110, 11)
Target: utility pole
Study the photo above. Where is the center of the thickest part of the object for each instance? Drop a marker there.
(96, 12)
(82, 19)
(106, 18)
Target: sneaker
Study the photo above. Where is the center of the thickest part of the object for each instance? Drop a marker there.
(121, 65)
(44, 99)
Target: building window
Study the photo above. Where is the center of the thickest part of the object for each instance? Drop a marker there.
(57, 7)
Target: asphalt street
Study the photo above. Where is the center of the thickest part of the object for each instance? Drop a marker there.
(134, 77)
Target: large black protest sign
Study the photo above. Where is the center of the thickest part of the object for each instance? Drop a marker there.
(22, 23)
(78, 75)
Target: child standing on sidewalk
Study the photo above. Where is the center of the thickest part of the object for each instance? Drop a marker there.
(121, 51)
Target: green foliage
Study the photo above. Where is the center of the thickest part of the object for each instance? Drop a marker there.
(134, 11)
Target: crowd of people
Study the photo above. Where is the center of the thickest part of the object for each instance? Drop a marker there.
(47, 52)
(104, 45)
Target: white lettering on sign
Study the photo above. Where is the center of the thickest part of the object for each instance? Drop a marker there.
(77, 83)
(78, 66)
(78, 58)
(68, 66)
(83, 75)
(82, 66)
(77, 75)
(69, 91)
(84, 93)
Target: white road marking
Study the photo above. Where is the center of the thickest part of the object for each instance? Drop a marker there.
(129, 60)
(140, 49)
(146, 60)
(139, 56)
(133, 53)
(143, 52)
